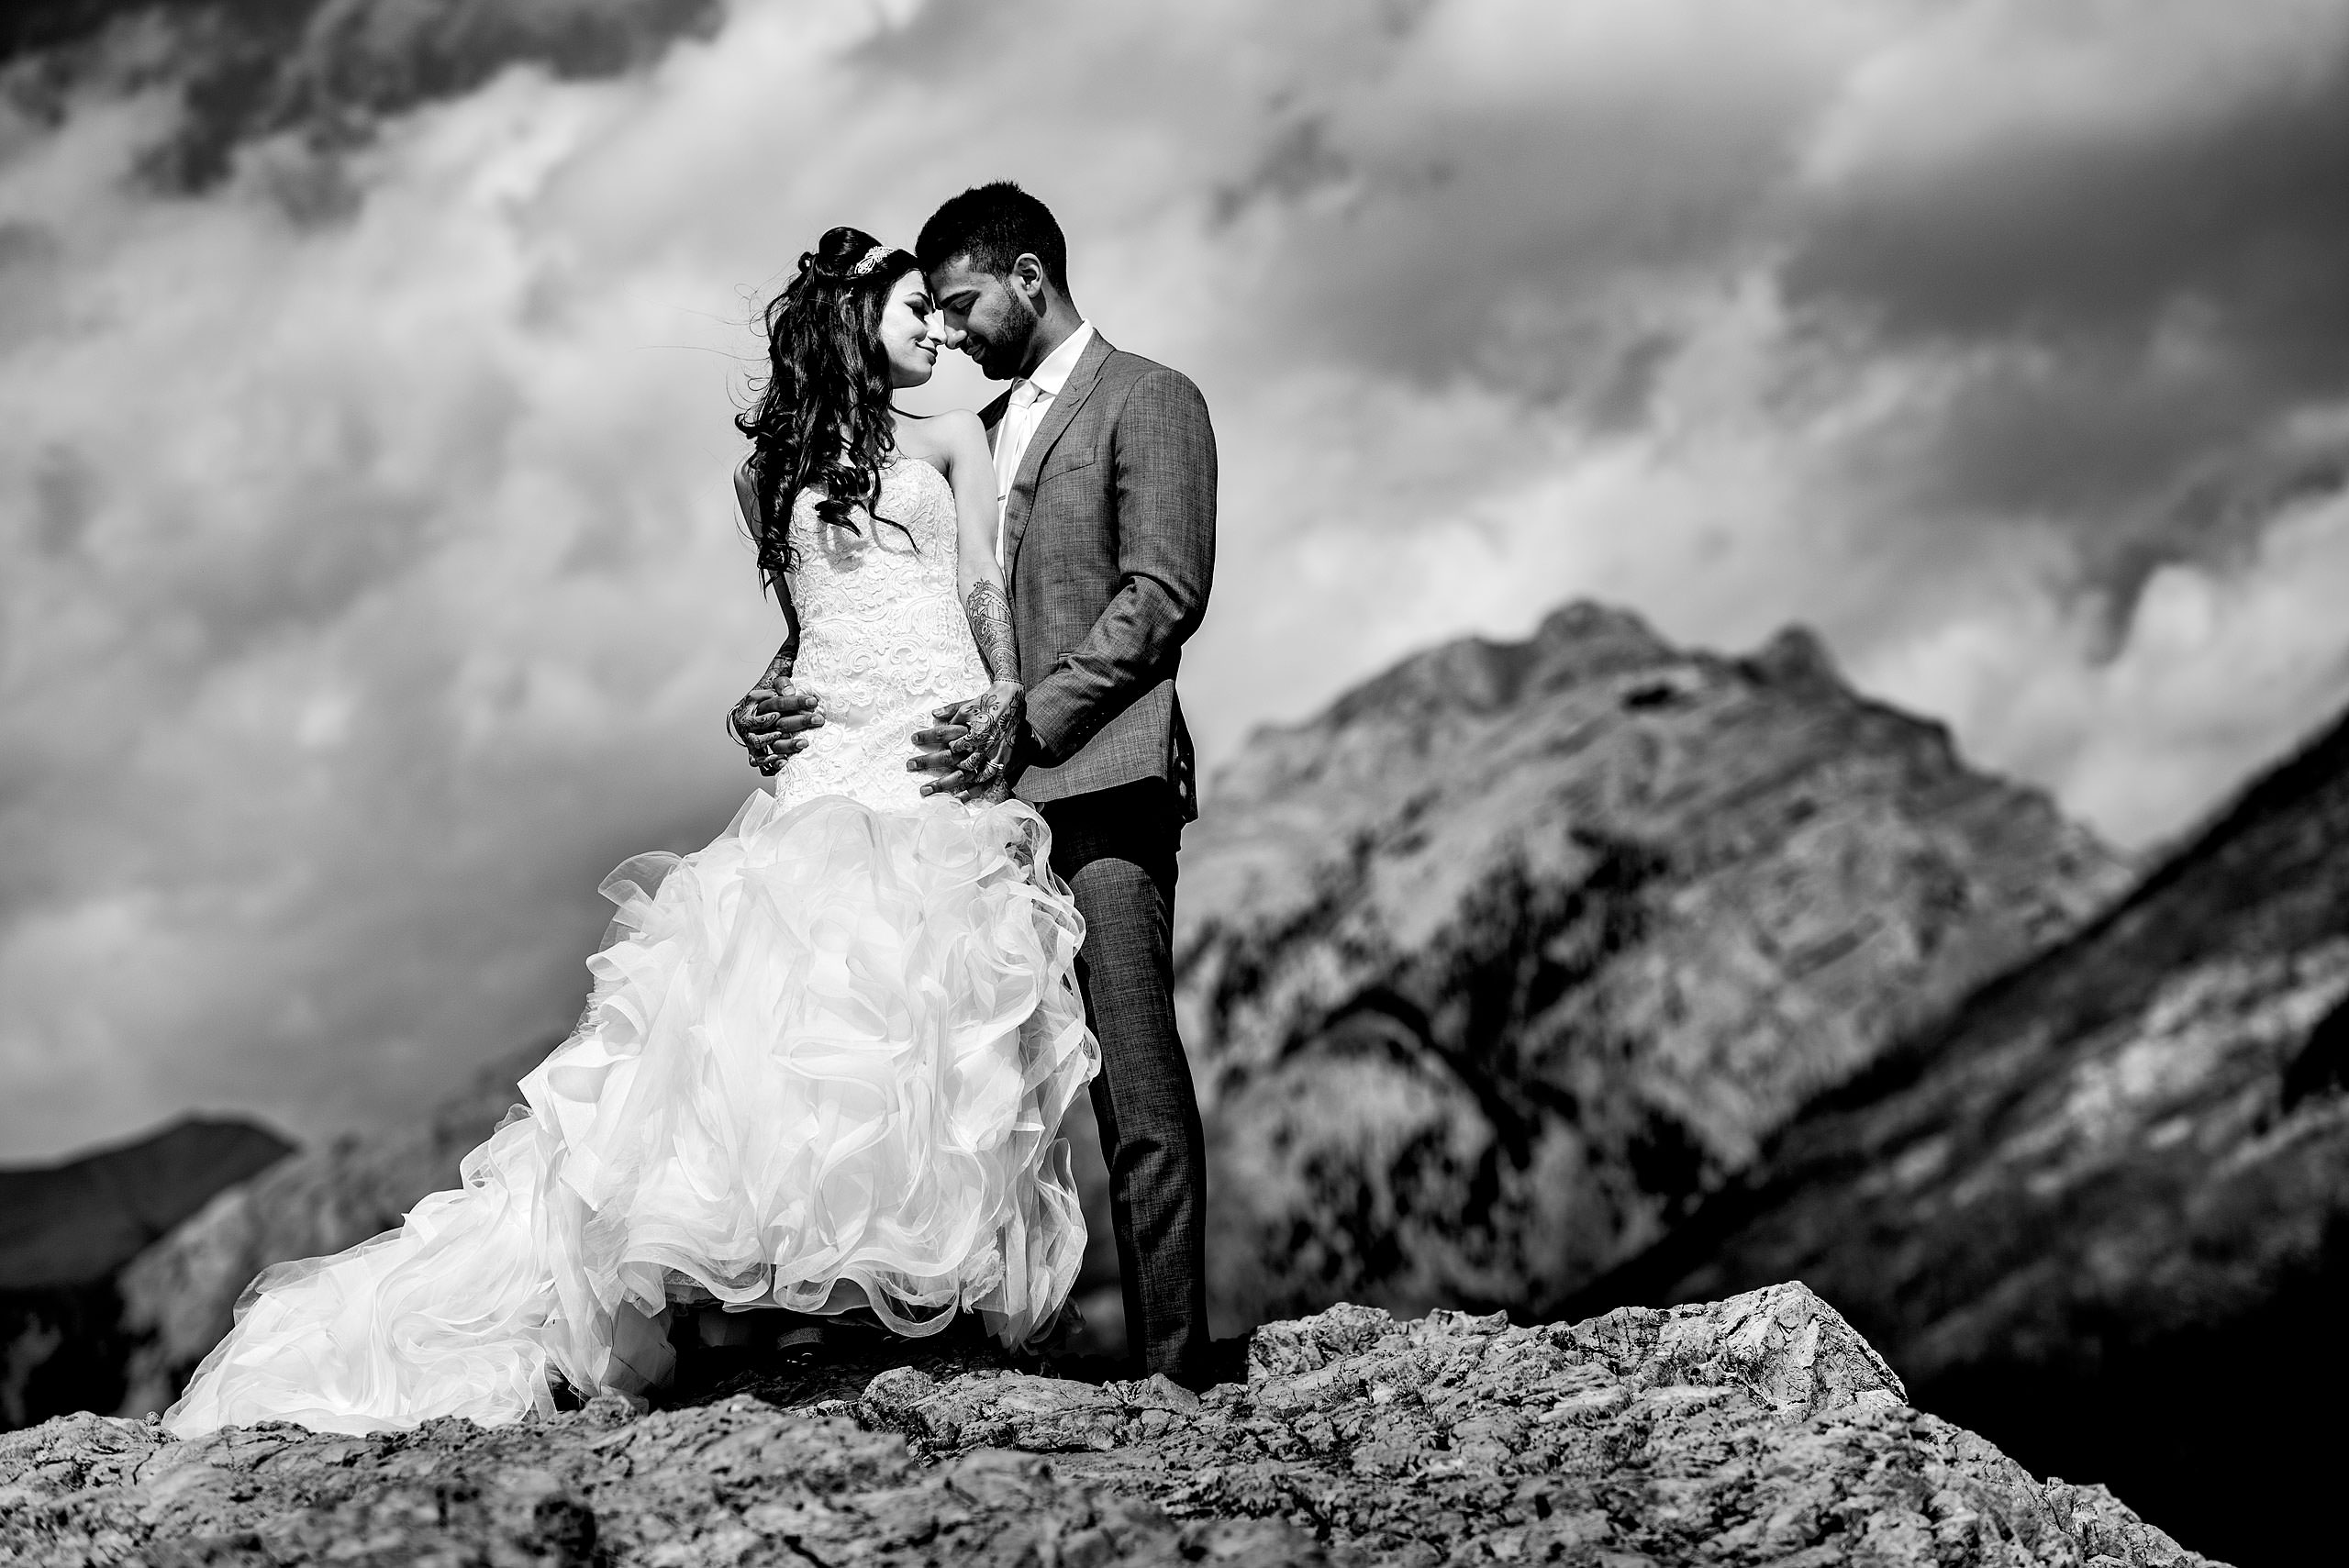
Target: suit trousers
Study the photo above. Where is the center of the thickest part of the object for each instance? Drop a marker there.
(1116, 848)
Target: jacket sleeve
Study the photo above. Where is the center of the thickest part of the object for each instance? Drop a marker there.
(1163, 448)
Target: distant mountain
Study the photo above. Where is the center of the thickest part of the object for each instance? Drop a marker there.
(2100, 1212)
(1495, 969)
(73, 1222)
(65, 1228)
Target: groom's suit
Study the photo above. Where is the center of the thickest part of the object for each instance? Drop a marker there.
(1108, 545)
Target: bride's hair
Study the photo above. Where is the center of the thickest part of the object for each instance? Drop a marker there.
(821, 422)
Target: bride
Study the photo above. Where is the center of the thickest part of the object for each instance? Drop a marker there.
(825, 1059)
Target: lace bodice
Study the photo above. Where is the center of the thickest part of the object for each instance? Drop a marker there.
(881, 640)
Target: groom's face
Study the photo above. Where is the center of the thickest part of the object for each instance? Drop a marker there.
(985, 318)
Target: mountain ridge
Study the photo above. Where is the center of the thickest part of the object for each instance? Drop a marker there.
(1581, 919)
(2117, 1177)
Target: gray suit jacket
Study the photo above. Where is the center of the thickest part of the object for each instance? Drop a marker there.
(1108, 543)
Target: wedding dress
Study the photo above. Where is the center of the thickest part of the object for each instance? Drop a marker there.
(822, 1067)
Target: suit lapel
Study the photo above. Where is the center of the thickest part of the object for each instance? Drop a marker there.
(991, 417)
(1070, 397)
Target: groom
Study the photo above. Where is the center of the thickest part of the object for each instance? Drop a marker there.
(1106, 467)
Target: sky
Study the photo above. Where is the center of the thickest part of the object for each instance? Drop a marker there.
(369, 578)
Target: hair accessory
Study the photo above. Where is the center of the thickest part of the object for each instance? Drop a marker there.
(871, 259)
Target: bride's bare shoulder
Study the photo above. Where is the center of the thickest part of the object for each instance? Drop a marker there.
(943, 439)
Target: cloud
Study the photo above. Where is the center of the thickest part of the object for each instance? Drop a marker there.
(2126, 224)
(369, 583)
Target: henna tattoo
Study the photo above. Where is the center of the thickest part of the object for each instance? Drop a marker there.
(992, 723)
(990, 614)
(767, 751)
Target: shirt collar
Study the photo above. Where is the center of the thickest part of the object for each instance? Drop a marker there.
(1054, 374)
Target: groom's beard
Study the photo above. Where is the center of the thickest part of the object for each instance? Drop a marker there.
(998, 350)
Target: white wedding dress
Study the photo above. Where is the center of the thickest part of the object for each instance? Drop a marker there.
(823, 1066)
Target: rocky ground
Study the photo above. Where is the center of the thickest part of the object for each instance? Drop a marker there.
(1759, 1429)
(2101, 1212)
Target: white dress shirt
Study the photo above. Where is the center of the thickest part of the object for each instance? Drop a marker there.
(1031, 400)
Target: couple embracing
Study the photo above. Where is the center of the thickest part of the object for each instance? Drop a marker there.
(821, 1073)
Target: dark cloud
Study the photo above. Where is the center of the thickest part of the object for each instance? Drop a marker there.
(1450, 211)
(2237, 219)
(328, 70)
(2135, 318)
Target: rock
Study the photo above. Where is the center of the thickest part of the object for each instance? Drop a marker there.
(1490, 973)
(2100, 1211)
(1756, 1431)
(66, 1228)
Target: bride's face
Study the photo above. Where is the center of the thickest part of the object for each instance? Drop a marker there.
(910, 332)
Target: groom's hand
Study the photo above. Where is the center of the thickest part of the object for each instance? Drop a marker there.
(944, 751)
(771, 722)
(969, 750)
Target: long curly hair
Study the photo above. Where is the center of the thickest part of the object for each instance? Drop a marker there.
(821, 420)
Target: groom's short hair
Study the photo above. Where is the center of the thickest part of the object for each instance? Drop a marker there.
(994, 225)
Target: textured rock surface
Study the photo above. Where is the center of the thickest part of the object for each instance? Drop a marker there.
(2102, 1212)
(177, 1297)
(1494, 969)
(1756, 1431)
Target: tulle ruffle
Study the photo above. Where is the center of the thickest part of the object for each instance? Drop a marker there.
(823, 1067)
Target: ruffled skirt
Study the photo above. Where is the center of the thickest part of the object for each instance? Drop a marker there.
(823, 1068)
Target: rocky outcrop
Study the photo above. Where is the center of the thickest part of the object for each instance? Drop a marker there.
(1756, 1431)
(1494, 970)
(65, 1228)
(2101, 1211)
(178, 1296)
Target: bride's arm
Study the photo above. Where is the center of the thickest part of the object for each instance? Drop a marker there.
(993, 721)
(769, 718)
